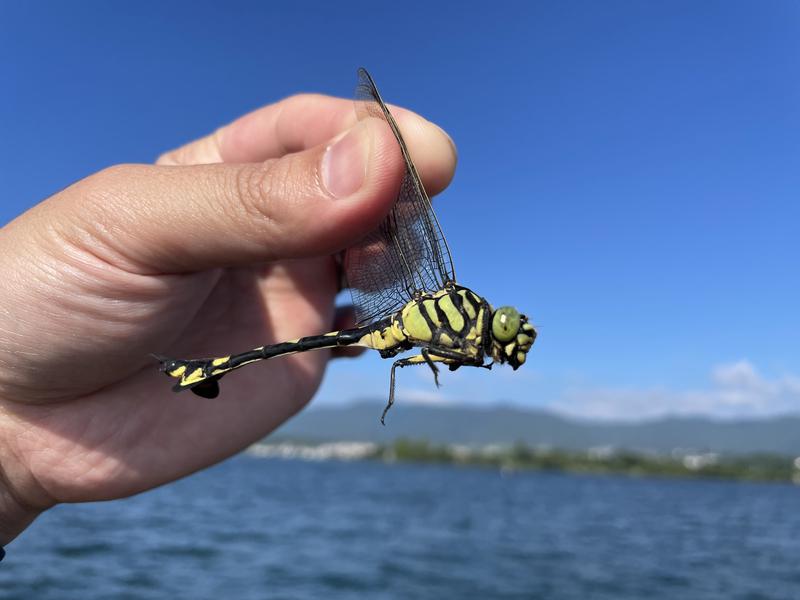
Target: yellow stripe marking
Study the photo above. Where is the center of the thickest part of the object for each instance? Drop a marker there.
(178, 372)
(195, 376)
(454, 317)
(469, 304)
(418, 359)
(416, 326)
(430, 308)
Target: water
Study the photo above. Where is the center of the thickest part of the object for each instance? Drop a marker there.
(256, 528)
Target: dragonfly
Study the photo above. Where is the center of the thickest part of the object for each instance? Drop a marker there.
(404, 292)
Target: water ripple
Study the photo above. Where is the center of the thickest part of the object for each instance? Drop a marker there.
(260, 528)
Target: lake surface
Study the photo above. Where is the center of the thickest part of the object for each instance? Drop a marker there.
(267, 528)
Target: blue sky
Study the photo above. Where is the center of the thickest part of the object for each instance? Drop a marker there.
(631, 167)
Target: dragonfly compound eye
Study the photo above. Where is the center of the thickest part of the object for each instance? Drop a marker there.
(505, 323)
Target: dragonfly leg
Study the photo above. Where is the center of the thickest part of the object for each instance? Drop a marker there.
(426, 355)
(423, 358)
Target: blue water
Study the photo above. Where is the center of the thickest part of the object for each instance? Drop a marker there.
(266, 528)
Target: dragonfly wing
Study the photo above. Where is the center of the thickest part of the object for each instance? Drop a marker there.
(408, 252)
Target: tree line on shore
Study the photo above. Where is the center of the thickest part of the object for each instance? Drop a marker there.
(751, 467)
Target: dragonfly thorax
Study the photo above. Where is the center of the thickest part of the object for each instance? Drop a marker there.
(512, 336)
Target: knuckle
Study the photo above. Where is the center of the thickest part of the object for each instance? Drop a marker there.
(205, 150)
(252, 187)
(168, 158)
(113, 173)
(109, 183)
(266, 190)
(94, 215)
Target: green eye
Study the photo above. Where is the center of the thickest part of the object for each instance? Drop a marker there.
(505, 323)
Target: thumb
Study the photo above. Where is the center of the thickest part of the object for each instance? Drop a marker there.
(173, 219)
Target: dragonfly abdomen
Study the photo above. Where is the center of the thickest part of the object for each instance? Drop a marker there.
(201, 375)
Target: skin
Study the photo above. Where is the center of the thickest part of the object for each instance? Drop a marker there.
(221, 246)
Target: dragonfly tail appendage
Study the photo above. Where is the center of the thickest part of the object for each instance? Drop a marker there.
(195, 375)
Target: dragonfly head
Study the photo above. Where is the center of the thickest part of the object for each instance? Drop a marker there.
(512, 336)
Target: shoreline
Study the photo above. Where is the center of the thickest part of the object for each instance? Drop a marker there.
(520, 457)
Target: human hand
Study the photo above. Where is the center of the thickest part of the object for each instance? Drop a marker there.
(224, 245)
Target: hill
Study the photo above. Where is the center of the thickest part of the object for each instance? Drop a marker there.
(505, 425)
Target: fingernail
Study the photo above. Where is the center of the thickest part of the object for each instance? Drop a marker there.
(344, 166)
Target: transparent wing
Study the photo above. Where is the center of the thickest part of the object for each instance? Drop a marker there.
(407, 253)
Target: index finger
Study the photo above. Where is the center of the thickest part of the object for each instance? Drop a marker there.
(307, 120)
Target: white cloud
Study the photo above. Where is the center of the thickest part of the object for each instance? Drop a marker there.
(421, 396)
(735, 390)
(738, 374)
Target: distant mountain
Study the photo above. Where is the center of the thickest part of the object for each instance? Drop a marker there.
(506, 425)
